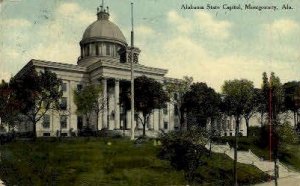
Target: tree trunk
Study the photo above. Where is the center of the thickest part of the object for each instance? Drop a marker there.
(247, 126)
(87, 122)
(34, 130)
(295, 119)
(144, 125)
(97, 121)
(182, 120)
(261, 119)
(210, 135)
(276, 171)
(235, 150)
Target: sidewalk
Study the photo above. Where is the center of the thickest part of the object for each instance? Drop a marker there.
(286, 181)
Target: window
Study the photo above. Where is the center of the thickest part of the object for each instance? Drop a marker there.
(165, 110)
(63, 103)
(165, 125)
(79, 122)
(97, 49)
(64, 87)
(46, 134)
(79, 87)
(107, 49)
(175, 96)
(63, 122)
(175, 110)
(86, 50)
(46, 121)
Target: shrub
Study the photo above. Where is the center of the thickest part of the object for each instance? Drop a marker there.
(184, 151)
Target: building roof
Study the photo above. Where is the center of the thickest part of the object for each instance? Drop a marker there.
(104, 29)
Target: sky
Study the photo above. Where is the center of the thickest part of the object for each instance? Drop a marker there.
(210, 45)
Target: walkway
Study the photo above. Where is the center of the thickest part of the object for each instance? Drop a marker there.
(286, 175)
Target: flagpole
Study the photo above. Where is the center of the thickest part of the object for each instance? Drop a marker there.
(132, 76)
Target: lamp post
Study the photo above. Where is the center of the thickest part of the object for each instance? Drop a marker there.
(132, 76)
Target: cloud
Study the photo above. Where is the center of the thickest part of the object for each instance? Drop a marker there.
(184, 56)
(181, 24)
(14, 23)
(144, 30)
(282, 27)
(55, 39)
(5, 76)
(203, 22)
(211, 26)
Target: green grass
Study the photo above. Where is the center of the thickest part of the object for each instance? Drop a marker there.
(290, 155)
(218, 170)
(90, 161)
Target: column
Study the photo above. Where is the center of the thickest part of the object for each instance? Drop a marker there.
(156, 120)
(117, 105)
(150, 125)
(104, 113)
(161, 119)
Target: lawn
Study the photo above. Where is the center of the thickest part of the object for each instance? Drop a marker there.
(98, 161)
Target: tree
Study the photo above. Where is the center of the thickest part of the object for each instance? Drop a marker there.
(291, 94)
(89, 100)
(149, 95)
(202, 102)
(274, 94)
(236, 94)
(176, 91)
(37, 93)
(9, 105)
(251, 106)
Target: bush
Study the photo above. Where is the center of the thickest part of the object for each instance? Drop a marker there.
(6, 138)
(184, 151)
(85, 132)
(254, 131)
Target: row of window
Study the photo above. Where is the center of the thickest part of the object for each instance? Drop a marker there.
(100, 49)
(63, 121)
(64, 87)
(165, 110)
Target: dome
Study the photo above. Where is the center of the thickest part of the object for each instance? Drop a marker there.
(104, 29)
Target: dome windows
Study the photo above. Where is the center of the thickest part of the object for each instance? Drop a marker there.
(100, 49)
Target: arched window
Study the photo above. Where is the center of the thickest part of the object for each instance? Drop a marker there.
(97, 49)
(107, 49)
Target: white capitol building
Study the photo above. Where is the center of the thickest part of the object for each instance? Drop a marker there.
(106, 59)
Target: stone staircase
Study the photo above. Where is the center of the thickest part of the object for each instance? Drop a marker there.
(248, 157)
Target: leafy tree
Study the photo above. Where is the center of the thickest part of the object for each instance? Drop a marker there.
(149, 95)
(89, 100)
(291, 94)
(37, 93)
(202, 102)
(252, 105)
(274, 94)
(261, 104)
(236, 94)
(176, 91)
(9, 105)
